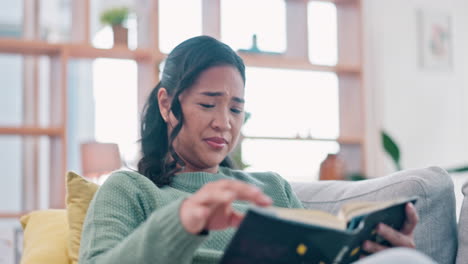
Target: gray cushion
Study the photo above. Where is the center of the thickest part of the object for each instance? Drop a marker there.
(436, 233)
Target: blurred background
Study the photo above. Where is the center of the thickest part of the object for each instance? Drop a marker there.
(324, 80)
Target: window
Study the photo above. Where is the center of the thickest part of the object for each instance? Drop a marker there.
(11, 19)
(322, 25)
(178, 21)
(284, 105)
(11, 108)
(270, 29)
(294, 160)
(290, 103)
(289, 139)
(115, 94)
(55, 20)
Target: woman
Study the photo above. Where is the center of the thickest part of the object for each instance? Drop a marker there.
(182, 203)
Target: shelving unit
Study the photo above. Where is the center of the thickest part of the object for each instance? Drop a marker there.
(148, 58)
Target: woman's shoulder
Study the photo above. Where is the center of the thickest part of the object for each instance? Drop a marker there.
(129, 182)
(128, 177)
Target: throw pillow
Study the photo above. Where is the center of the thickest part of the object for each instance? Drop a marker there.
(45, 237)
(80, 192)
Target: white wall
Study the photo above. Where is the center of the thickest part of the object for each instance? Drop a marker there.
(426, 111)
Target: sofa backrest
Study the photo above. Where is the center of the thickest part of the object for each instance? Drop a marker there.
(436, 232)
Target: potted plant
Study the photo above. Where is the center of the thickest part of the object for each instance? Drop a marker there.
(115, 17)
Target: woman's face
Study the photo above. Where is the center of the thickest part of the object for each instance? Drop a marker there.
(213, 110)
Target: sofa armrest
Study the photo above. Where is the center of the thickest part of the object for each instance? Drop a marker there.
(462, 255)
(436, 233)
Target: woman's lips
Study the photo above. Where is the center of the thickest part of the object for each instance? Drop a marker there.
(216, 142)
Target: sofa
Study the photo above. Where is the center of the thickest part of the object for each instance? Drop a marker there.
(52, 236)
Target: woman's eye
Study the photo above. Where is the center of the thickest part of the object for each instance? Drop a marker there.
(236, 111)
(207, 105)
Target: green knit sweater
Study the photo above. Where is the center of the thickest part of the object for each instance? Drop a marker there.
(131, 220)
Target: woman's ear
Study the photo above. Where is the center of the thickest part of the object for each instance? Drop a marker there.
(164, 103)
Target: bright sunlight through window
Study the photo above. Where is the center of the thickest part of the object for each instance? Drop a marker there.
(289, 103)
(115, 94)
(179, 20)
(240, 20)
(322, 33)
(286, 104)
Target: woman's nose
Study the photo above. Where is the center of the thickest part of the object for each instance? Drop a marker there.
(221, 121)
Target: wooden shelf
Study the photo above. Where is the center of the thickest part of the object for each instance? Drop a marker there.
(350, 140)
(86, 51)
(32, 47)
(31, 131)
(341, 140)
(280, 61)
(11, 215)
(28, 47)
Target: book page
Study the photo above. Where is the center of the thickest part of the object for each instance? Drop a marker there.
(350, 210)
(310, 216)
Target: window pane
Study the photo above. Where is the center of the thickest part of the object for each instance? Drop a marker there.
(322, 33)
(81, 110)
(44, 91)
(116, 117)
(241, 19)
(55, 20)
(11, 177)
(18, 164)
(290, 103)
(11, 108)
(294, 160)
(15, 70)
(11, 18)
(178, 20)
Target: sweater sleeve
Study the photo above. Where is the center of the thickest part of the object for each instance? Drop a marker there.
(294, 201)
(116, 231)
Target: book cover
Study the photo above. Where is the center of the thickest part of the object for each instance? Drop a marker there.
(265, 236)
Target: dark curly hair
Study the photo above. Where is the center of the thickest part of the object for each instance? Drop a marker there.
(182, 68)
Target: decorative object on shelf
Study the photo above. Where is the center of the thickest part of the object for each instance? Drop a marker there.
(116, 17)
(332, 168)
(99, 159)
(435, 39)
(254, 48)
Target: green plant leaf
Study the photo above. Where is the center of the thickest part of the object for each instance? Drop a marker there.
(459, 169)
(356, 176)
(247, 117)
(391, 148)
(115, 16)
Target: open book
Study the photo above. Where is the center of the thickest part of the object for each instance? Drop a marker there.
(283, 235)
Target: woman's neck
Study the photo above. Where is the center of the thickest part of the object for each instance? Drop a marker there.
(190, 168)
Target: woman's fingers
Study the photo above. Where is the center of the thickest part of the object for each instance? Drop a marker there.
(235, 219)
(397, 239)
(211, 206)
(372, 247)
(411, 219)
(193, 218)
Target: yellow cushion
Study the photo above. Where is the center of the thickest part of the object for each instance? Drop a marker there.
(45, 237)
(80, 192)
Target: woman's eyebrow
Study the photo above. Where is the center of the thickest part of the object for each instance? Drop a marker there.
(214, 94)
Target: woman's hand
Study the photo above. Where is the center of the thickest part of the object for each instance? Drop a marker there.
(403, 238)
(210, 207)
